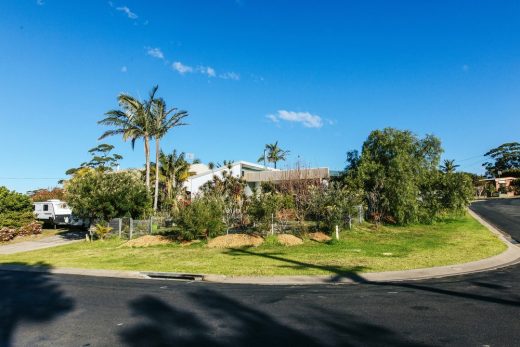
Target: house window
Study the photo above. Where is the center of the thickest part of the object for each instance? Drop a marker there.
(46, 207)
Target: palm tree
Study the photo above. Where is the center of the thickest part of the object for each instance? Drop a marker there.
(273, 154)
(174, 170)
(133, 121)
(449, 166)
(163, 120)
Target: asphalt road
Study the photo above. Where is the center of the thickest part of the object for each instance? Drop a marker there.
(502, 213)
(39, 309)
(59, 310)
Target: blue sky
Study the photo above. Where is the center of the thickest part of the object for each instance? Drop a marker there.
(317, 76)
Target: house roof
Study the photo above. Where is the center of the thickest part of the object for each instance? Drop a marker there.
(241, 162)
(498, 178)
(285, 175)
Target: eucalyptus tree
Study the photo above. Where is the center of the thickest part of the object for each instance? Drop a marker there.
(162, 120)
(133, 121)
(503, 158)
(273, 154)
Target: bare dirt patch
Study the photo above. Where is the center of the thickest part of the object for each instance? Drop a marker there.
(289, 240)
(319, 236)
(148, 240)
(235, 240)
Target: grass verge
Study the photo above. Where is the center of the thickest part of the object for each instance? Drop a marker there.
(364, 249)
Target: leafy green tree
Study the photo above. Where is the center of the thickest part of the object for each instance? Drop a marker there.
(46, 194)
(133, 121)
(101, 159)
(449, 166)
(274, 154)
(163, 120)
(505, 157)
(15, 209)
(99, 195)
(392, 165)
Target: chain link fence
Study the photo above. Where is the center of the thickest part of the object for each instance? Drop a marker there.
(128, 228)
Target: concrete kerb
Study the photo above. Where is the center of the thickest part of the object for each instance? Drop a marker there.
(509, 257)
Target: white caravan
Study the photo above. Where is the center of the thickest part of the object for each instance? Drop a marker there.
(54, 212)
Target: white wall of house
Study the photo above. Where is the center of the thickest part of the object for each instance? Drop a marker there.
(194, 183)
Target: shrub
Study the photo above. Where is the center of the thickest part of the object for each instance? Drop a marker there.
(202, 218)
(263, 207)
(15, 209)
(101, 231)
(333, 205)
(15, 219)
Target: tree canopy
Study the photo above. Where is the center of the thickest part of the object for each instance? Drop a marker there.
(505, 157)
(399, 177)
(99, 195)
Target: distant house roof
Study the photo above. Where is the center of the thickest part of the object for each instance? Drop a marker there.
(284, 175)
(498, 178)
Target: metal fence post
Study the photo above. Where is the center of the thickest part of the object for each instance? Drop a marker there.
(151, 225)
(131, 228)
(119, 225)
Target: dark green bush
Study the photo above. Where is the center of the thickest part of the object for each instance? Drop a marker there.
(15, 209)
(203, 217)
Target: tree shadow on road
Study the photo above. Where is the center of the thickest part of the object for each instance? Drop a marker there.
(215, 319)
(340, 273)
(29, 296)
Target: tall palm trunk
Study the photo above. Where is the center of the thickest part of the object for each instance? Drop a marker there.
(147, 156)
(156, 196)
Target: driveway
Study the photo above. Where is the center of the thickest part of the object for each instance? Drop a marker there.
(504, 214)
(47, 242)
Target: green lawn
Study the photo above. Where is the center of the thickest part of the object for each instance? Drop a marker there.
(364, 249)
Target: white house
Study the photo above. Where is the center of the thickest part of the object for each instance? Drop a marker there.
(203, 174)
(253, 174)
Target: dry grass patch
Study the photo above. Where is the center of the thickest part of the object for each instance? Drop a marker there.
(319, 236)
(147, 240)
(235, 241)
(289, 240)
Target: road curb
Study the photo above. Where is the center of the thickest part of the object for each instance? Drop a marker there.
(509, 257)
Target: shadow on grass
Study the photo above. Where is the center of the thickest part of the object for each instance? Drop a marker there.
(209, 318)
(28, 296)
(338, 273)
(72, 234)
